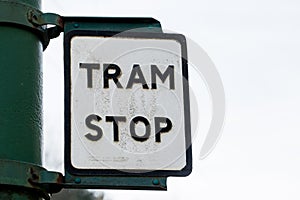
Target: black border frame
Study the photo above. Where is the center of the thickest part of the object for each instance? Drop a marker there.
(67, 77)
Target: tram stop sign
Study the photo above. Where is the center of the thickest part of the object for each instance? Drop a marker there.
(127, 104)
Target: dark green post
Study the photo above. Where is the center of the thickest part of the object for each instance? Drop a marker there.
(20, 99)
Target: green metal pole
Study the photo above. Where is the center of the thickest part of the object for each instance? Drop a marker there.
(20, 100)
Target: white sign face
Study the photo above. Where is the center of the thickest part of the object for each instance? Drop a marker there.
(127, 104)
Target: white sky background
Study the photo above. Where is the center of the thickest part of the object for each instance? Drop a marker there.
(255, 45)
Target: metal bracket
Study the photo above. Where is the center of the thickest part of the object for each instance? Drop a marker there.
(26, 175)
(30, 176)
(115, 182)
(40, 19)
(19, 14)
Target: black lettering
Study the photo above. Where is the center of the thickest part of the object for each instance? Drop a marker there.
(163, 76)
(136, 120)
(114, 76)
(89, 68)
(159, 129)
(115, 120)
(88, 122)
(136, 70)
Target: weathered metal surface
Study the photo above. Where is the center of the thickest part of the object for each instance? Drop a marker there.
(50, 182)
(114, 24)
(16, 174)
(39, 19)
(20, 102)
(114, 182)
(17, 13)
(37, 179)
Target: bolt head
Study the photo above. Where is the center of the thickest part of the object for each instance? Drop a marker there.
(77, 180)
(155, 182)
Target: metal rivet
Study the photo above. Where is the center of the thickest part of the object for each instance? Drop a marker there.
(77, 180)
(155, 182)
(76, 25)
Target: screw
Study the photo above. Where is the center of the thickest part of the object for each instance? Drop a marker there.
(155, 182)
(77, 180)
